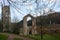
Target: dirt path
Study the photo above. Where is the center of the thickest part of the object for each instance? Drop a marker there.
(12, 36)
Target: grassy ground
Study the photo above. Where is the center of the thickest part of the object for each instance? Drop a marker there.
(45, 37)
(35, 37)
(17, 39)
(3, 37)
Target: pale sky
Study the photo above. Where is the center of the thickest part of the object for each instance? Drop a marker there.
(29, 7)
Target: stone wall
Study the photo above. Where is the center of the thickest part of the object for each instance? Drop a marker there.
(25, 27)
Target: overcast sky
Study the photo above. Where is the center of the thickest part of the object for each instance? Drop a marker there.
(27, 8)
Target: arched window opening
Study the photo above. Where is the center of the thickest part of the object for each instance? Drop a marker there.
(29, 21)
(29, 24)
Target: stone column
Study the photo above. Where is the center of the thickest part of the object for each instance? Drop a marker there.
(25, 28)
(34, 26)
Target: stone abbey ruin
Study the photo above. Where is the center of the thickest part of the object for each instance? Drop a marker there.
(6, 22)
(32, 29)
(35, 23)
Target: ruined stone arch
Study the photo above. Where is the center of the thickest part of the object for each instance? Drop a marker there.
(25, 27)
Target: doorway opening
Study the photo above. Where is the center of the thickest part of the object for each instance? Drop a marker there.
(29, 24)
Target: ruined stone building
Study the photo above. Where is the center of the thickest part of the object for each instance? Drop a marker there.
(6, 23)
(6, 18)
(23, 28)
(27, 30)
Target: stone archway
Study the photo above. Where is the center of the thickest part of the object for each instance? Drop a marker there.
(25, 27)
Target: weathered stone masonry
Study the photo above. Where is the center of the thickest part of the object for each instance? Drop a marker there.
(6, 18)
(25, 27)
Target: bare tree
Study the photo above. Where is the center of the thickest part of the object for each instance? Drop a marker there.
(41, 7)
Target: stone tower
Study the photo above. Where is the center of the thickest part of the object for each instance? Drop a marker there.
(6, 19)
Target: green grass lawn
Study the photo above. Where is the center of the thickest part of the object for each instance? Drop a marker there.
(17, 39)
(45, 37)
(3, 37)
(35, 37)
